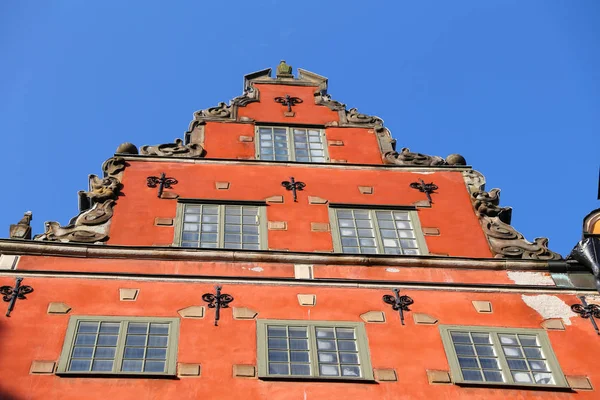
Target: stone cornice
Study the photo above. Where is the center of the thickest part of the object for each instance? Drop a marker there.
(345, 166)
(83, 250)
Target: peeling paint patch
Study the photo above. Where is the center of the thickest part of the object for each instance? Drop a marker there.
(531, 278)
(256, 269)
(549, 307)
(392, 269)
(593, 299)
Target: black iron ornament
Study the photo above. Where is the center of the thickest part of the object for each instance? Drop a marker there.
(586, 310)
(426, 188)
(288, 101)
(399, 303)
(293, 186)
(10, 294)
(163, 182)
(218, 301)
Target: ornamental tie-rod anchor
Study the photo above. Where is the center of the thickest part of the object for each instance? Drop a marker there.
(586, 311)
(10, 295)
(288, 101)
(293, 186)
(399, 303)
(217, 301)
(163, 183)
(427, 188)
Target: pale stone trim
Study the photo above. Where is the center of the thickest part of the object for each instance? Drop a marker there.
(579, 382)
(484, 307)
(58, 308)
(316, 200)
(553, 324)
(175, 253)
(277, 226)
(319, 227)
(8, 262)
(365, 189)
(188, 369)
(128, 294)
(244, 371)
(335, 143)
(430, 231)
(303, 271)
(424, 319)
(373, 317)
(42, 367)
(385, 374)
(158, 221)
(196, 312)
(246, 139)
(308, 300)
(274, 199)
(221, 185)
(244, 313)
(436, 377)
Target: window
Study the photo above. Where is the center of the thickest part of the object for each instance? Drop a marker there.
(313, 349)
(484, 355)
(377, 231)
(291, 144)
(120, 345)
(221, 226)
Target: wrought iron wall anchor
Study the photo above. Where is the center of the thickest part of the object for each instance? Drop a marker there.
(163, 182)
(293, 186)
(288, 101)
(217, 302)
(10, 295)
(426, 188)
(586, 310)
(399, 303)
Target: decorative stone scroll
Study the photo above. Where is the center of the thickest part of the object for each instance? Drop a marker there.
(505, 241)
(176, 149)
(22, 229)
(406, 157)
(96, 204)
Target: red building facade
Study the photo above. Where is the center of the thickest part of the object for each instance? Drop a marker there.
(344, 268)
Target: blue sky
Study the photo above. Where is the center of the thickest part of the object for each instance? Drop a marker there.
(514, 86)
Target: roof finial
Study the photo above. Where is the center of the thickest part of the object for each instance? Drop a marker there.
(284, 70)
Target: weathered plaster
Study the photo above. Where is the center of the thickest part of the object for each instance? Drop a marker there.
(550, 307)
(531, 278)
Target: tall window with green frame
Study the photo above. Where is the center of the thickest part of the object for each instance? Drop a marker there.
(221, 226)
(377, 231)
(291, 144)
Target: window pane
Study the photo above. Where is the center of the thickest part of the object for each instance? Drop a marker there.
(460, 337)
(134, 352)
(472, 375)
(328, 357)
(533, 352)
(349, 358)
(297, 331)
(350, 370)
(299, 344)
(132, 366)
(109, 327)
(154, 366)
(104, 352)
(468, 362)
(543, 378)
(300, 369)
(344, 333)
(85, 339)
(136, 340)
(278, 343)
(522, 377)
(278, 355)
(279, 369)
(464, 350)
(102, 366)
(325, 332)
(346, 345)
(80, 365)
(276, 330)
(107, 340)
(299, 356)
(83, 352)
(493, 376)
(326, 344)
(329, 370)
(512, 351)
(88, 327)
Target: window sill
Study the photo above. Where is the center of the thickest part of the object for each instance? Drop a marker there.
(143, 375)
(316, 379)
(521, 386)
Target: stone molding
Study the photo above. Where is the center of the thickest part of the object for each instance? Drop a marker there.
(307, 300)
(504, 240)
(22, 229)
(175, 149)
(42, 367)
(385, 374)
(188, 370)
(244, 313)
(196, 312)
(244, 371)
(96, 204)
(58, 308)
(34, 248)
(579, 382)
(424, 319)
(128, 294)
(436, 377)
(373, 317)
(482, 306)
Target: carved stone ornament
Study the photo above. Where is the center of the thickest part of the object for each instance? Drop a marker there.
(406, 157)
(176, 149)
(221, 111)
(354, 117)
(324, 99)
(22, 229)
(505, 241)
(92, 224)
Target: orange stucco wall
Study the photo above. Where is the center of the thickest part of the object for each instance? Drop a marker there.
(307, 112)
(410, 349)
(451, 213)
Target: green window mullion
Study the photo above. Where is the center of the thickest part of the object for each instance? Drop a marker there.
(505, 369)
(325, 146)
(289, 134)
(312, 348)
(221, 226)
(378, 238)
(120, 348)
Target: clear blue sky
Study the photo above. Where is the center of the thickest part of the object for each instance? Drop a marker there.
(514, 86)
